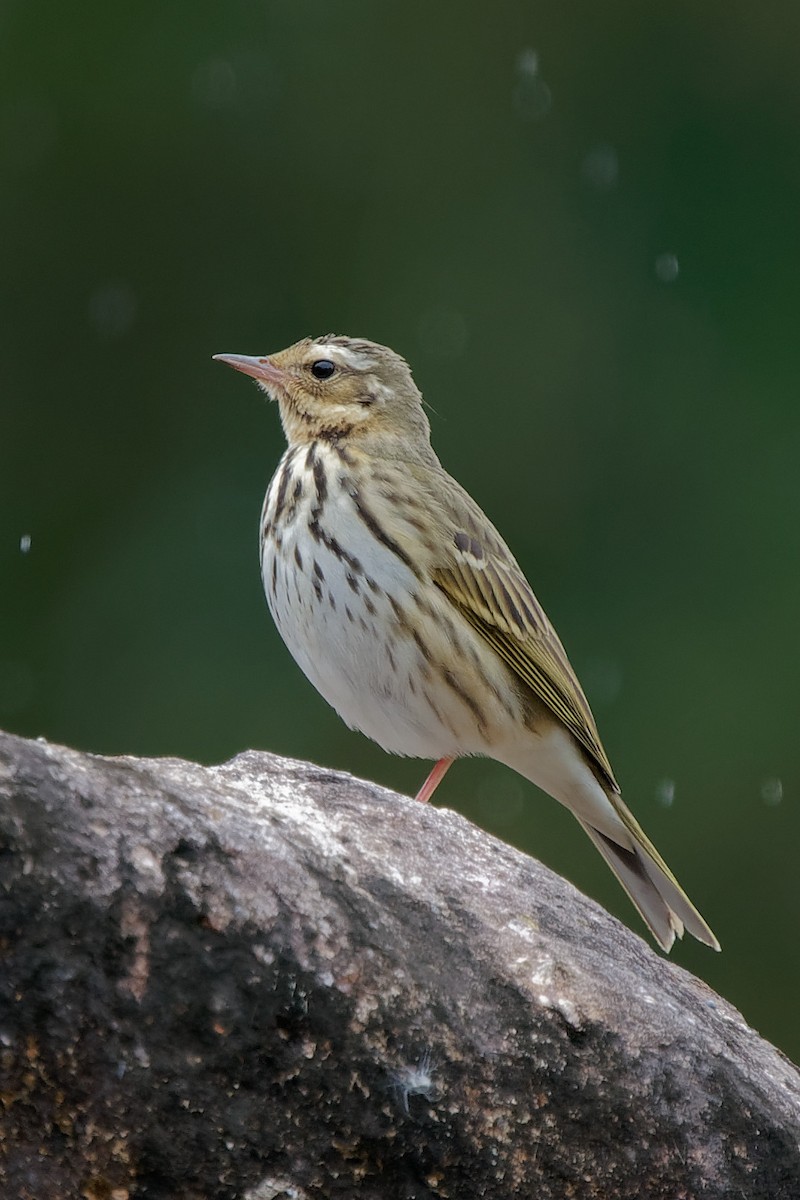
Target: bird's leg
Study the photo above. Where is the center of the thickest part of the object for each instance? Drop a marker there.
(434, 779)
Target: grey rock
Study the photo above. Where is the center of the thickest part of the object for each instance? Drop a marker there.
(271, 981)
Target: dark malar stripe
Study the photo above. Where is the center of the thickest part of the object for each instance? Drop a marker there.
(283, 484)
(333, 434)
(320, 482)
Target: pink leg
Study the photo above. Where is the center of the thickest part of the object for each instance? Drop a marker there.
(434, 779)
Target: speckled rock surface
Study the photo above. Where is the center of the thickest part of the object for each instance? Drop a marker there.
(270, 981)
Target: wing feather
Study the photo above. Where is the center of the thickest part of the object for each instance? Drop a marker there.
(487, 586)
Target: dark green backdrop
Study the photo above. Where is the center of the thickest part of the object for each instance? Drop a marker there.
(581, 225)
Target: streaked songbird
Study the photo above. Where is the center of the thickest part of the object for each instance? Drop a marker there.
(403, 605)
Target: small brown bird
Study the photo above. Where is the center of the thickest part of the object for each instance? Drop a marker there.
(407, 611)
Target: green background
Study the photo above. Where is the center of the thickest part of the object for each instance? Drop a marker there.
(504, 193)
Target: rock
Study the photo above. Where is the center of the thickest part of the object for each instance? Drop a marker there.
(271, 981)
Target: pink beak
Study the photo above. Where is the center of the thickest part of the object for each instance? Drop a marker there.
(260, 368)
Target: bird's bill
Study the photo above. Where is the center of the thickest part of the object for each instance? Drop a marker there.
(261, 369)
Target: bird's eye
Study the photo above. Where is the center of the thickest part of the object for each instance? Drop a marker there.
(323, 368)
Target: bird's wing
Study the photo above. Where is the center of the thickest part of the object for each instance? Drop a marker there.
(481, 578)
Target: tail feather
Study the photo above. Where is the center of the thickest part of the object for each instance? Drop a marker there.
(651, 886)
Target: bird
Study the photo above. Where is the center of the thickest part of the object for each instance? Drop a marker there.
(404, 607)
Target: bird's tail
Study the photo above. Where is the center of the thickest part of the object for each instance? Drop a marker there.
(654, 890)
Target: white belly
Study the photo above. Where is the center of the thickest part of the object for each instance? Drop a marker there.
(341, 602)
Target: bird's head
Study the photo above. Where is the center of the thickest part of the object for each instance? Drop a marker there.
(339, 388)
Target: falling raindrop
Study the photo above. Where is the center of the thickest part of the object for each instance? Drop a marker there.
(772, 792)
(665, 792)
(532, 97)
(214, 84)
(25, 543)
(667, 268)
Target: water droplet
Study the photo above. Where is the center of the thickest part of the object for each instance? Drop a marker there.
(667, 268)
(25, 543)
(601, 167)
(532, 97)
(772, 791)
(665, 792)
(214, 83)
(112, 309)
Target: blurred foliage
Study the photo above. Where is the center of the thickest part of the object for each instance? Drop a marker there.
(580, 223)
